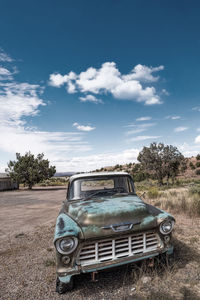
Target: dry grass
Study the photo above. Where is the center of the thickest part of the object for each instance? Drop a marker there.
(176, 200)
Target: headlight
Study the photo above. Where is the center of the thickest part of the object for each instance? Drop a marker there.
(166, 226)
(66, 245)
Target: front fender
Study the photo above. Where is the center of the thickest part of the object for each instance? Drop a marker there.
(66, 226)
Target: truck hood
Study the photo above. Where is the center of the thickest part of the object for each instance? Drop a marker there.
(98, 216)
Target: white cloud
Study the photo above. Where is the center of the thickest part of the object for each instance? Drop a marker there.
(19, 102)
(83, 127)
(143, 119)
(180, 129)
(4, 57)
(165, 92)
(5, 74)
(137, 128)
(143, 73)
(58, 80)
(143, 138)
(108, 79)
(198, 129)
(197, 108)
(173, 117)
(90, 98)
(54, 144)
(197, 139)
(92, 162)
(189, 150)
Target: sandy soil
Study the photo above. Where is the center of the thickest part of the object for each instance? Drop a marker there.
(27, 259)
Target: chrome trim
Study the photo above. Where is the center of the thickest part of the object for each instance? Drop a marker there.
(105, 250)
(124, 227)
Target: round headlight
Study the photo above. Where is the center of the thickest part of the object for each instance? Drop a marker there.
(166, 226)
(66, 245)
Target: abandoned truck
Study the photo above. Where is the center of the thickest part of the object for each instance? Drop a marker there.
(103, 223)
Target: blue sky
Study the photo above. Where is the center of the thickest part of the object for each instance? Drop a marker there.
(89, 83)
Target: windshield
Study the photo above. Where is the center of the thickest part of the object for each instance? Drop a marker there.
(84, 188)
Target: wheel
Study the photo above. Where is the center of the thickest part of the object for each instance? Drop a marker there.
(62, 287)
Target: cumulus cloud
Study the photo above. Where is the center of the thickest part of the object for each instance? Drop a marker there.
(180, 129)
(143, 119)
(90, 98)
(133, 86)
(83, 127)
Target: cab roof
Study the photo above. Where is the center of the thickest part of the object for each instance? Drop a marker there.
(97, 174)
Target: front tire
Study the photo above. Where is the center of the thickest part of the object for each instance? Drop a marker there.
(62, 287)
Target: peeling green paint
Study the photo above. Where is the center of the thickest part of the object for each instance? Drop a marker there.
(170, 250)
(162, 216)
(65, 226)
(150, 220)
(101, 211)
(65, 279)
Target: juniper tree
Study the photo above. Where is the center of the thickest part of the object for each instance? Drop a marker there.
(163, 161)
(29, 170)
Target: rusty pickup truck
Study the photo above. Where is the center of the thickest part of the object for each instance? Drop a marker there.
(103, 224)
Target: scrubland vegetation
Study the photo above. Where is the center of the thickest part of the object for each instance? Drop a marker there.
(182, 198)
(54, 181)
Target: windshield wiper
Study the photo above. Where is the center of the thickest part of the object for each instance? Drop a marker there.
(97, 192)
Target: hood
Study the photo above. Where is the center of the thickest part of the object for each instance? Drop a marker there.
(96, 216)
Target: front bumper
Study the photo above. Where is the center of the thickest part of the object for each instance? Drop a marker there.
(65, 276)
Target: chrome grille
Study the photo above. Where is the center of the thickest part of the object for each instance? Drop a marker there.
(110, 249)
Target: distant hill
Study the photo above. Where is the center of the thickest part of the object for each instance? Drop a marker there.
(64, 174)
(192, 168)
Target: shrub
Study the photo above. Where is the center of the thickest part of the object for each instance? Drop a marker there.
(197, 172)
(192, 166)
(198, 164)
(136, 167)
(194, 190)
(153, 193)
(198, 157)
(140, 176)
(195, 205)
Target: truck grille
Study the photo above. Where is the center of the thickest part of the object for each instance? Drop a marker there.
(110, 249)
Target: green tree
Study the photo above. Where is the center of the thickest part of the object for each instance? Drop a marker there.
(173, 159)
(192, 166)
(198, 164)
(163, 161)
(29, 170)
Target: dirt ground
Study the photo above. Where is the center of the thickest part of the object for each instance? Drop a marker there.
(23, 210)
(27, 260)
